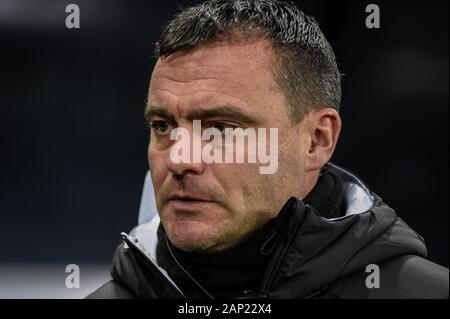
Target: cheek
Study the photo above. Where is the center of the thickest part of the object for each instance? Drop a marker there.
(156, 162)
(234, 182)
(247, 190)
(291, 152)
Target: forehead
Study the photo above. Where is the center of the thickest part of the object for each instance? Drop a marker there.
(240, 71)
(237, 58)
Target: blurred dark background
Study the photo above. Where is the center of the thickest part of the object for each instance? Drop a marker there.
(73, 137)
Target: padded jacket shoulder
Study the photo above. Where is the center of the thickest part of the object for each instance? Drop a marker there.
(405, 277)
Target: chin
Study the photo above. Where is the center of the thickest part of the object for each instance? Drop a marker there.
(190, 235)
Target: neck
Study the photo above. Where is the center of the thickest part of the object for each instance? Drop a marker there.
(221, 274)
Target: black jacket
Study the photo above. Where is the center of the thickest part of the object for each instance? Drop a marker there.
(316, 258)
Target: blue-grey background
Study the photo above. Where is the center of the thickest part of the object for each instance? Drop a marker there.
(73, 137)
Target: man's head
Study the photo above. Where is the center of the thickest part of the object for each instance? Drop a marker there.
(239, 64)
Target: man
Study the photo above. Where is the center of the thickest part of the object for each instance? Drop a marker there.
(225, 230)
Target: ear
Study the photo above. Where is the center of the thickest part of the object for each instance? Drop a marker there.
(324, 127)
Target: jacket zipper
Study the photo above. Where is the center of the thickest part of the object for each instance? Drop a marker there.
(280, 255)
(134, 245)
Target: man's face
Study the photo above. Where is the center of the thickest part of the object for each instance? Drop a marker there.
(211, 207)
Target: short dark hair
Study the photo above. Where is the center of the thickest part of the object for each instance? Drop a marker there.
(306, 68)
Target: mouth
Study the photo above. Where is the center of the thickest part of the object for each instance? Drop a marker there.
(189, 202)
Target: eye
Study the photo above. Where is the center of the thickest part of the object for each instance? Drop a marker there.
(160, 127)
(221, 126)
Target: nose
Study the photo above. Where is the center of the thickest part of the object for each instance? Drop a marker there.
(183, 168)
(186, 154)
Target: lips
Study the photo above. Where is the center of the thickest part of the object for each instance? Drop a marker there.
(188, 198)
(185, 202)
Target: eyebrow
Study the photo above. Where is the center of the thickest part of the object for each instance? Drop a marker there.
(153, 111)
(226, 111)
